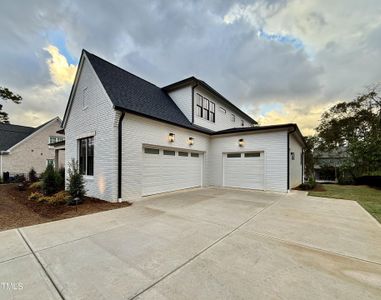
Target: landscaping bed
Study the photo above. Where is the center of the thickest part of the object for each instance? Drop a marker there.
(368, 197)
(16, 210)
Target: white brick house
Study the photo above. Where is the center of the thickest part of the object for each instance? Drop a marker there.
(134, 139)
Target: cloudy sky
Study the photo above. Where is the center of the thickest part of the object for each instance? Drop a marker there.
(280, 61)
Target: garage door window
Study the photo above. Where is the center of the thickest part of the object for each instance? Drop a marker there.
(234, 155)
(185, 154)
(168, 152)
(194, 154)
(151, 151)
(253, 154)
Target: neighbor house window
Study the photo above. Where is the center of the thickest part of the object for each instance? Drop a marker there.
(55, 139)
(232, 118)
(86, 156)
(50, 162)
(199, 105)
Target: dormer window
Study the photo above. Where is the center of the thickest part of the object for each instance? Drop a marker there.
(205, 109)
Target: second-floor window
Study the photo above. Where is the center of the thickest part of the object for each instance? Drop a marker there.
(205, 108)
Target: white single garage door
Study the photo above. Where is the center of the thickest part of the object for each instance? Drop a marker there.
(244, 170)
(166, 170)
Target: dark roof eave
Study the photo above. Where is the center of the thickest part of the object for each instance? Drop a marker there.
(194, 128)
(193, 79)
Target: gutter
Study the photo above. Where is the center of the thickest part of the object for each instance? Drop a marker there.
(193, 87)
(120, 127)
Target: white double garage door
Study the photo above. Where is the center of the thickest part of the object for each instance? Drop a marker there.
(166, 170)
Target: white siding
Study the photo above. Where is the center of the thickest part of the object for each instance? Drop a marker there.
(139, 131)
(183, 99)
(274, 146)
(223, 120)
(296, 164)
(99, 117)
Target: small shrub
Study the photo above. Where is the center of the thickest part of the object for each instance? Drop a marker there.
(19, 178)
(76, 183)
(49, 181)
(61, 197)
(308, 185)
(32, 175)
(35, 196)
(36, 186)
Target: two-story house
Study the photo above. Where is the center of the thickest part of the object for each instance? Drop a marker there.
(23, 147)
(133, 138)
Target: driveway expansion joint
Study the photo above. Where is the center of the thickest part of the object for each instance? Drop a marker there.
(41, 265)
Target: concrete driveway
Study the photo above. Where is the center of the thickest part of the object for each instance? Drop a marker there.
(200, 244)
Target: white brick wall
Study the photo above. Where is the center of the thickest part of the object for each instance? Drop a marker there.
(274, 145)
(32, 152)
(183, 99)
(138, 131)
(101, 118)
(295, 165)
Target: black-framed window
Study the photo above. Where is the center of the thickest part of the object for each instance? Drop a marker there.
(253, 154)
(212, 111)
(86, 156)
(199, 105)
(169, 152)
(205, 108)
(151, 151)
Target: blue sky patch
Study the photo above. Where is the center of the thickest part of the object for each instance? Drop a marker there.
(58, 39)
(284, 39)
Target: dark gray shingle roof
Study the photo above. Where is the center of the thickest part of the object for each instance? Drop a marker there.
(10, 135)
(133, 94)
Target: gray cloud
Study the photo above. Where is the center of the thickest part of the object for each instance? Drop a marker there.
(165, 41)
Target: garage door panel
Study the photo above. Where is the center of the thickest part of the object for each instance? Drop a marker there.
(244, 172)
(164, 173)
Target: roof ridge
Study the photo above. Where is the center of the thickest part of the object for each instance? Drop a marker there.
(124, 70)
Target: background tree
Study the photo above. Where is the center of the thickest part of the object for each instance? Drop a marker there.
(6, 94)
(356, 127)
(309, 160)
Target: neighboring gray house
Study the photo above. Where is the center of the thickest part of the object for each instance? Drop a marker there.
(133, 139)
(22, 147)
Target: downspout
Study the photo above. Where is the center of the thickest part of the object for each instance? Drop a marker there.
(120, 140)
(193, 87)
(288, 157)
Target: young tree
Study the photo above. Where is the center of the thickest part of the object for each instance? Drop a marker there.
(309, 160)
(49, 181)
(76, 183)
(6, 94)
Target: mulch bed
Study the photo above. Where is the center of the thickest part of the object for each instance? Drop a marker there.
(17, 211)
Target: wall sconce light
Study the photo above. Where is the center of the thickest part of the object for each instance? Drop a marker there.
(241, 142)
(190, 141)
(171, 137)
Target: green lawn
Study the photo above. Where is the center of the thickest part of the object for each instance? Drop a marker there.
(367, 197)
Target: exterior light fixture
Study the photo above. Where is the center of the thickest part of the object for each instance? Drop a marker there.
(241, 142)
(190, 141)
(171, 137)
